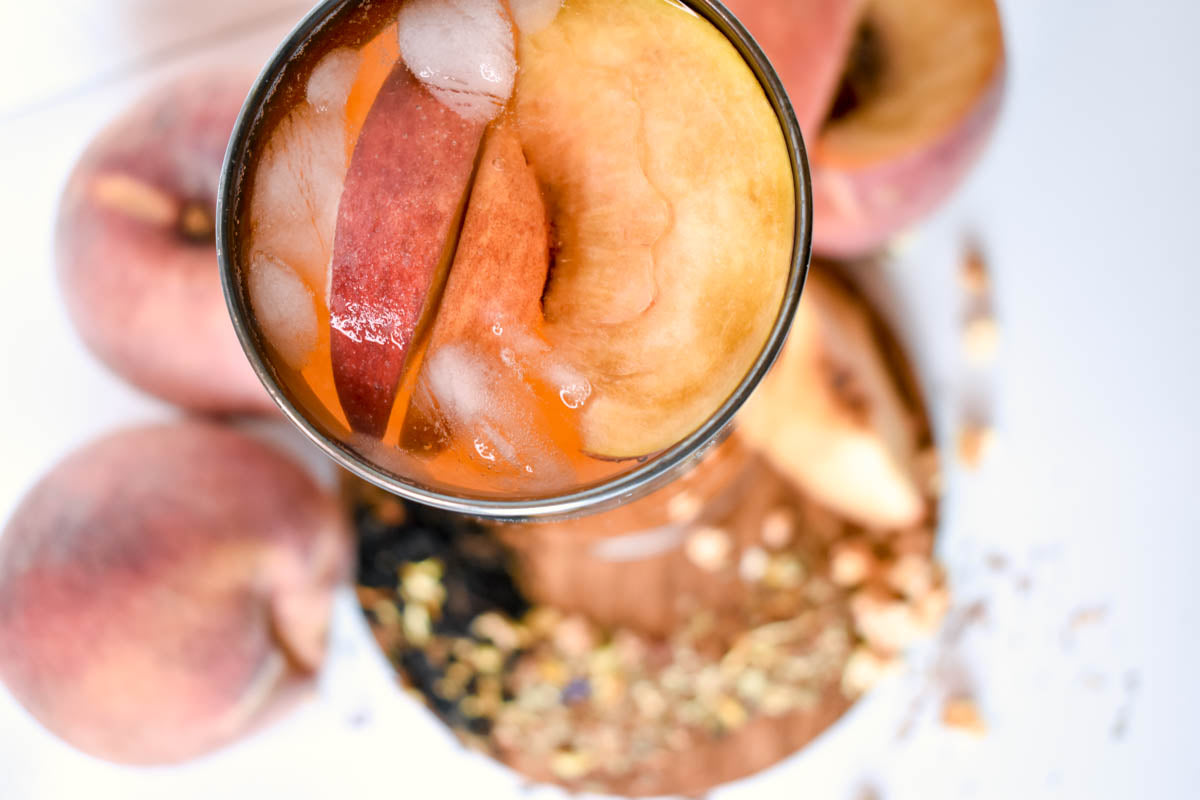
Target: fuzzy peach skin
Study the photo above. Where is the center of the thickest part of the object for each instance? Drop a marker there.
(857, 210)
(137, 260)
(808, 43)
(896, 100)
(165, 589)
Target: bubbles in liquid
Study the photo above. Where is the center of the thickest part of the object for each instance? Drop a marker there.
(573, 389)
(509, 359)
(503, 447)
(574, 395)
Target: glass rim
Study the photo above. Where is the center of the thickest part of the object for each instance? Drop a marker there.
(658, 469)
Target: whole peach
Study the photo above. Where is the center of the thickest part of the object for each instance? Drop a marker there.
(136, 251)
(165, 589)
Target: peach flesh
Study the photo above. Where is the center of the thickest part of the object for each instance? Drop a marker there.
(834, 416)
(165, 589)
(670, 191)
(135, 252)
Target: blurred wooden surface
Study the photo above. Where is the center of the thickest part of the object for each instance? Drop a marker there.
(650, 583)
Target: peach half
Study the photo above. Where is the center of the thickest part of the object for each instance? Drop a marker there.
(896, 99)
(670, 191)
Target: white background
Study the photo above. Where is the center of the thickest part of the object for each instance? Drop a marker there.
(1086, 203)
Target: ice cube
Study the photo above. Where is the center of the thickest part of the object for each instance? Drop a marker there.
(533, 15)
(297, 186)
(329, 84)
(483, 404)
(462, 51)
(283, 306)
(458, 382)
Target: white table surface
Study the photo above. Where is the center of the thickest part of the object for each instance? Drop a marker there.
(1087, 205)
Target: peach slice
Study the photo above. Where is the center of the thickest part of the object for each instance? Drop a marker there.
(503, 253)
(409, 175)
(832, 416)
(166, 589)
(483, 392)
(395, 235)
(670, 191)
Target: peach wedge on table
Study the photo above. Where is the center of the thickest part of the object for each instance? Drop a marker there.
(831, 414)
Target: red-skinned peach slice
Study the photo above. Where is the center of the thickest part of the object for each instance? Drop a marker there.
(135, 251)
(409, 176)
(165, 589)
(396, 227)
